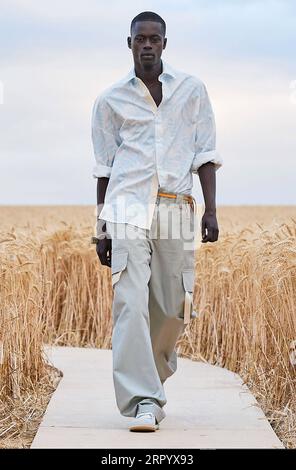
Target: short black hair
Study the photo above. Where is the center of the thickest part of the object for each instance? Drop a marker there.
(149, 16)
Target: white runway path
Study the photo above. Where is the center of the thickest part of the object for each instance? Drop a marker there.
(208, 407)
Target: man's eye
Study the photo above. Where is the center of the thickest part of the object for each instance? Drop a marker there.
(153, 39)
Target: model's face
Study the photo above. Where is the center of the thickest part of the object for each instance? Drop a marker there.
(147, 38)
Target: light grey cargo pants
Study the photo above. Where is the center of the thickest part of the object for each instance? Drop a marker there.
(153, 280)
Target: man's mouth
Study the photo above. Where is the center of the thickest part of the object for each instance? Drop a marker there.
(147, 56)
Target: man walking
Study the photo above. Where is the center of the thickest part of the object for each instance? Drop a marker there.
(151, 131)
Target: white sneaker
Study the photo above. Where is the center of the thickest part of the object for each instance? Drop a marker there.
(144, 422)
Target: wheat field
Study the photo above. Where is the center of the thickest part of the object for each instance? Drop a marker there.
(54, 290)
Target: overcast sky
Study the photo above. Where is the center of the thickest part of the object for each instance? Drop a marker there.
(57, 56)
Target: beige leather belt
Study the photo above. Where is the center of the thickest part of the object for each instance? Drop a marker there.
(186, 197)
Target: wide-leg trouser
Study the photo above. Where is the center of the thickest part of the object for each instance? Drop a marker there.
(153, 281)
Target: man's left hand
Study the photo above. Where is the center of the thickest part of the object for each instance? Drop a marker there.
(209, 222)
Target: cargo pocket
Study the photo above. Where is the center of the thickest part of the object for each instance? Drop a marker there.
(118, 264)
(188, 283)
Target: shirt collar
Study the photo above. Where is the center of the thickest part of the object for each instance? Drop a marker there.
(166, 70)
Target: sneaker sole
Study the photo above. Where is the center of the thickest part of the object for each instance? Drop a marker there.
(144, 427)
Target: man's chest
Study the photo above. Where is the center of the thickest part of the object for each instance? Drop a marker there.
(156, 92)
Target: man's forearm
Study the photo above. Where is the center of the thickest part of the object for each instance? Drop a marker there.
(102, 184)
(207, 177)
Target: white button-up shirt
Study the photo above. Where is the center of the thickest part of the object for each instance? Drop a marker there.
(143, 148)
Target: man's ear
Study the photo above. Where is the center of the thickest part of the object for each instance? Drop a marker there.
(164, 43)
(129, 42)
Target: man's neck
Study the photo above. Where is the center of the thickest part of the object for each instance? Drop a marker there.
(150, 75)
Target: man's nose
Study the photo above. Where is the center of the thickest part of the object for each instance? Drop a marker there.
(147, 43)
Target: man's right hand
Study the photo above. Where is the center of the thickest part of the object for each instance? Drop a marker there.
(104, 250)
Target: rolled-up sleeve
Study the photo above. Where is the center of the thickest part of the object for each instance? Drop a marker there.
(104, 138)
(205, 137)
